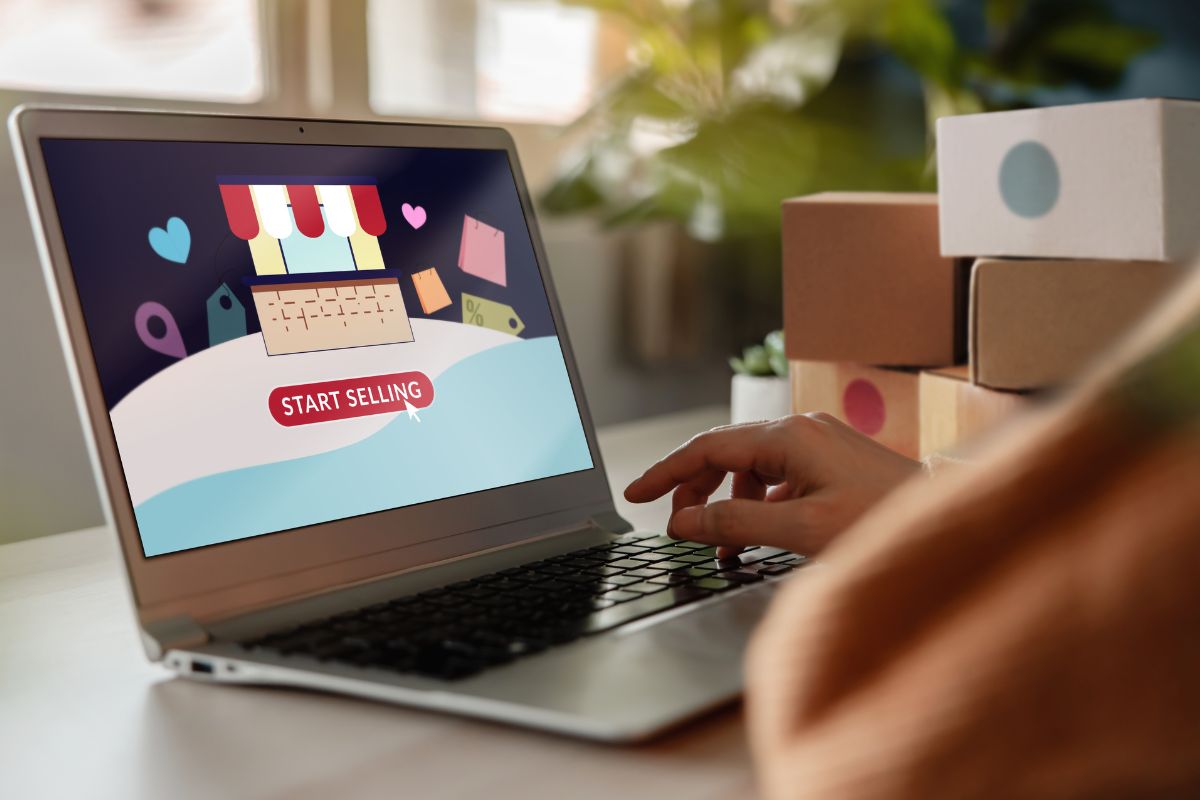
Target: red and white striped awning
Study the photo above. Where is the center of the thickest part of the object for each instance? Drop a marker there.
(348, 207)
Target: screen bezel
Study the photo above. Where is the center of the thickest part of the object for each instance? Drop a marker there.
(220, 579)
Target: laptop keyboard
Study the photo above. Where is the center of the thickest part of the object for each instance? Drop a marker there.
(459, 630)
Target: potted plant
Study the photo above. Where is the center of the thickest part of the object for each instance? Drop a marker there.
(760, 388)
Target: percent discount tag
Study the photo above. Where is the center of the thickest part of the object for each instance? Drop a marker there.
(490, 314)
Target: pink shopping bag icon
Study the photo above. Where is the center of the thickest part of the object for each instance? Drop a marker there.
(481, 251)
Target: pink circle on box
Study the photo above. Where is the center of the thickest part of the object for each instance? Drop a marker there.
(863, 406)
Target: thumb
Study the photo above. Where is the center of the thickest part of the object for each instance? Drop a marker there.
(740, 523)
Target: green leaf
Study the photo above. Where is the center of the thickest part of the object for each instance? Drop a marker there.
(756, 360)
(774, 343)
(788, 69)
(921, 36)
(779, 364)
(746, 163)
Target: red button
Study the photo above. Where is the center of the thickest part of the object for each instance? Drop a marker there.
(307, 403)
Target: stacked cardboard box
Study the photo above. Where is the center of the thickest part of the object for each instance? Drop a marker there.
(1098, 203)
(864, 284)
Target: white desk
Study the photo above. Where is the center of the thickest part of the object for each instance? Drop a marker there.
(82, 714)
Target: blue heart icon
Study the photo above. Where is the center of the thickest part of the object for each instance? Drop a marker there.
(173, 243)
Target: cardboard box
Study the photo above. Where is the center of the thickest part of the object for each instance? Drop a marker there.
(1038, 323)
(880, 402)
(863, 281)
(955, 412)
(1117, 180)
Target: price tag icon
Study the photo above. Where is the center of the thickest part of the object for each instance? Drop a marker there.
(489, 314)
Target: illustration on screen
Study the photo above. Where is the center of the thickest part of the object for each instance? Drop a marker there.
(320, 279)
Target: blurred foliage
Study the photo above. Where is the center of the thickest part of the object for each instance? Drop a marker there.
(729, 106)
(763, 359)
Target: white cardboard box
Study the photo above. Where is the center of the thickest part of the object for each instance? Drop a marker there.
(1118, 180)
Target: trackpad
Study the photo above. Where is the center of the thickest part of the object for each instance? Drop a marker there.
(646, 672)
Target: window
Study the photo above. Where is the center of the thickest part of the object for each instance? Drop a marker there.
(519, 60)
(179, 49)
(325, 253)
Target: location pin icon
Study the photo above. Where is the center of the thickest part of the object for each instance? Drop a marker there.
(170, 343)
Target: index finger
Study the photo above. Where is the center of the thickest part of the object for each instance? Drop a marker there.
(754, 447)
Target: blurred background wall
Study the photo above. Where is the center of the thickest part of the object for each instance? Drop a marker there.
(661, 276)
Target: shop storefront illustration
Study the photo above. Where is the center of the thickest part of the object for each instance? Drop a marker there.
(320, 281)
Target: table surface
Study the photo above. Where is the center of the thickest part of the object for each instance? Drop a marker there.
(83, 714)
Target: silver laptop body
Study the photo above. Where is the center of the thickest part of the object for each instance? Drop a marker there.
(196, 600)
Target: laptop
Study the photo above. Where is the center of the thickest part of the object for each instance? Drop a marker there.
(339, 432)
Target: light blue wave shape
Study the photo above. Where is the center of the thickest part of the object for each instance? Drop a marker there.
(500, 417)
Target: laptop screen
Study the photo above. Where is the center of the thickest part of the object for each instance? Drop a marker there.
(293, 334)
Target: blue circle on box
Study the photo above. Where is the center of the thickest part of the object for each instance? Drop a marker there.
(1029, 181)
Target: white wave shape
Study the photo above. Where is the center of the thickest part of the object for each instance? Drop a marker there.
(208, 413)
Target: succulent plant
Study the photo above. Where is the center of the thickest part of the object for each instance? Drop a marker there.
(763, 359)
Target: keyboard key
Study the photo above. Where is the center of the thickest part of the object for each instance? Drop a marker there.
(581, 578)
(761, 554)
(775, 569)
(694, 558)
(646, 572)
(646, 587)
(714, 584)
(602, 571)
(671, 579)
(659, 541)
(553, 569)
(627, 564)
(651, 556)
(454, 600)
(615, 556)
(740, 575)
(619, 596)
(588, 560)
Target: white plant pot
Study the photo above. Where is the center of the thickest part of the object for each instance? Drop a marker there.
(756, 397)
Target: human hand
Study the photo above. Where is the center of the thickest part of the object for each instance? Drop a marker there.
(798, 482)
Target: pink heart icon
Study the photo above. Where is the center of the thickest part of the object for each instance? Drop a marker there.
(414, 215)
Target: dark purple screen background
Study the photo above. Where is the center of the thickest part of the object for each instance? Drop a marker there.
(109, 194)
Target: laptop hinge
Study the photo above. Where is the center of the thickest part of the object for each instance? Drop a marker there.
(611, 521)
(172, 633)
